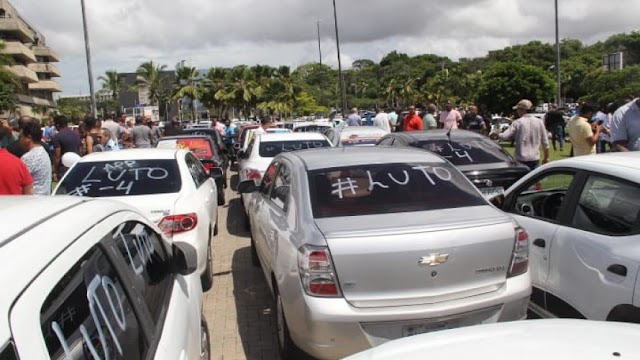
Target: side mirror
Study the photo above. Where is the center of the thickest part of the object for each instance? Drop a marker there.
(247, 187)
(185, 258)
(281, 193)
(216, 172)
(497, 201)
(237, 146)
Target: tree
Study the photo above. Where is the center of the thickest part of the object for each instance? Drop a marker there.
(9, 84)
(149, 77)
(605, 87)
(187, 86)
(504, 84)
(112, 82)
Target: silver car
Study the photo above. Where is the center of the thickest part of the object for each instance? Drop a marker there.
(364, 245)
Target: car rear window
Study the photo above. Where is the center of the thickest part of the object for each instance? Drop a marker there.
(200, 147)
(122, 178)
(467, 151)
(389, 188)
(272, 148)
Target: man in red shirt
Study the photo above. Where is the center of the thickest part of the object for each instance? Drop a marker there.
(412, 121)
(14, 175)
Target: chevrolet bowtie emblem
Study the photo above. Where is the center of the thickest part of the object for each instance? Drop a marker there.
(433, 259)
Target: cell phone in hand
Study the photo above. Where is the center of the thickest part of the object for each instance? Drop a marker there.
(600, 122)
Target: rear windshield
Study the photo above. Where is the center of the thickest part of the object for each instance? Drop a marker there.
(122, 178)
(272, 148)
(389, 188)
(467, 151)
(200, 147)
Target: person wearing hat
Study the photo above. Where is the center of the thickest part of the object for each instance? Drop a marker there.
(529, 133)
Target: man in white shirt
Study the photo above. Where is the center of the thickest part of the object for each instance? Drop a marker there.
(264, 125)
(382, 120)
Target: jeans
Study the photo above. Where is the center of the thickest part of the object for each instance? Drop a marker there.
(531, 164)
(557, 132)
(602, 146)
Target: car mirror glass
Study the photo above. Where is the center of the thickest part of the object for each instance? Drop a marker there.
(185, 259)
(216, 172)
(247, 186)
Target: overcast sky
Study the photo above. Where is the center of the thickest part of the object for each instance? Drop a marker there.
(206, 33)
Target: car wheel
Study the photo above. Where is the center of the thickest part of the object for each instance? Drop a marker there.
(288, 350)
(255, 260)
(221, 198)
(207, 277)
(205, 341)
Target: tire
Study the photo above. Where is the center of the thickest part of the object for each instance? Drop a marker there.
(255, 260)
(288, 350)
(207, 278)
(205, 340)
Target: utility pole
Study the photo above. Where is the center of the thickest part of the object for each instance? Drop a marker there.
(94, 108)
(319, 47)
(559, 79)
(343, 91)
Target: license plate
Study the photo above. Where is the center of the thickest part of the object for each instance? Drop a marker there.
(492, 192)
(410, 330)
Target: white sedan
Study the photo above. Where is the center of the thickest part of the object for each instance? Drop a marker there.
(583, 216)
(262, 149)
(171, 187)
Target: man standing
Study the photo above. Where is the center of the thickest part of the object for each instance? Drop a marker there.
(625, 127)
(529, 133)
(473, 121)
(156, 133)
(412, 121)
(114, 129)
(354, 119)
(554, 122)
(393, 117)
(66, 140)
(14, 175)
(36, 159)
(265, 123)
(217, 125)
(382, 120)
(604, 118)
(429, 121)
(583, 137)
(172, 128)
(141, 134)
(450, 118)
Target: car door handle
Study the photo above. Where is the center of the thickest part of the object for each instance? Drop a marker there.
(618, 269)
(540, 243)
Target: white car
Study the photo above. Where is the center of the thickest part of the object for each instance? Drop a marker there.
(583, 218)
(557, 339)
(262, 149)
(94, 279)
(170, 187)
(355, 135)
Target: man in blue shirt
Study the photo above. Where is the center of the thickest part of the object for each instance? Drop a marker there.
(625, 127)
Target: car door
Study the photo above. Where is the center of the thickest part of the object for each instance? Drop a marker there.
(538, 206)
(261, 222)
(202, 199)
(595, 263)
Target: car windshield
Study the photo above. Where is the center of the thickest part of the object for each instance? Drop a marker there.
(122, 178)
(200, 147)
(466, 151)
(389, 188)
(270, 149)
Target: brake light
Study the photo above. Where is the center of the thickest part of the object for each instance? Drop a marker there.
(316, 271)
(520, 257)
(175, 224)
(253, 174)
(210, 165)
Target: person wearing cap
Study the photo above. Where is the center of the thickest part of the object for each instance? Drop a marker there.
(529, 133)
(354, 119)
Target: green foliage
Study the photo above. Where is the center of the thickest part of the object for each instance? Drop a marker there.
(604, 87)
(504, 84)
(73, 109)
(150, 77)
(112, 82)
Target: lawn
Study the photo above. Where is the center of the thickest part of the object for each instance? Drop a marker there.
(553, 154)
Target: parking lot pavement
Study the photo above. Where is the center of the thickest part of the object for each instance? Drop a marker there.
(239, 306)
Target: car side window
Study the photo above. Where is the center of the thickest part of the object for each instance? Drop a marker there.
(543, 197)
(281, 187)
(88, 315)
(8, 352)
(247, 153)
(147, 264)
(196, 170)
(608, 206)
(268, 178)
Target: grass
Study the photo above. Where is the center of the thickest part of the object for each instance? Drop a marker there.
(553, 154)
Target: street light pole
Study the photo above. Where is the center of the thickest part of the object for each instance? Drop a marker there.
(319, 47)
(94, 108)
(343, 91)
(559, 80)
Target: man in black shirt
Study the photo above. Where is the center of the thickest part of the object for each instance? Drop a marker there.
(554, 122)
(66, 140)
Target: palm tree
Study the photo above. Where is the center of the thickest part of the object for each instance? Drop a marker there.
(391, 92)
(187, 85)
(214, 81)
(112, 82)
(149, 77)
(241, 89)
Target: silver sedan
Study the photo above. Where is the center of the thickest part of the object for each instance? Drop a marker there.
(364, 245)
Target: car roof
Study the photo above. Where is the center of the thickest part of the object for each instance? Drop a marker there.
(602, 162)
(362, 130)
(439, 134)
(324, 158)
(291, 136)
(23, 218)
(131, 154)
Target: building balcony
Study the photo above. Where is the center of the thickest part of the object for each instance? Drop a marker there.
(43, 102)
(23, 73)
(47, 85)
(46, 51)
(45, 68)
(17, 28)
(20, 52)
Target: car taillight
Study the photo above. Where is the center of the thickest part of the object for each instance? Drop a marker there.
(316, 271)
(210, 165)
(175, 224)
(520, 256)
(253, 174)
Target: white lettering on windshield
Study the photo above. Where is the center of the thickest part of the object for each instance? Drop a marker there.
(406, 178)
(440, 172)
(350, 185)
(144, 248)
(373, 183)
(81, 190)
(115, 173)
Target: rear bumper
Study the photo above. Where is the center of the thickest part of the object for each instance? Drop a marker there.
(333, 329)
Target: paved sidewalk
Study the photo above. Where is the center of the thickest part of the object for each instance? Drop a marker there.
(239, 306)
